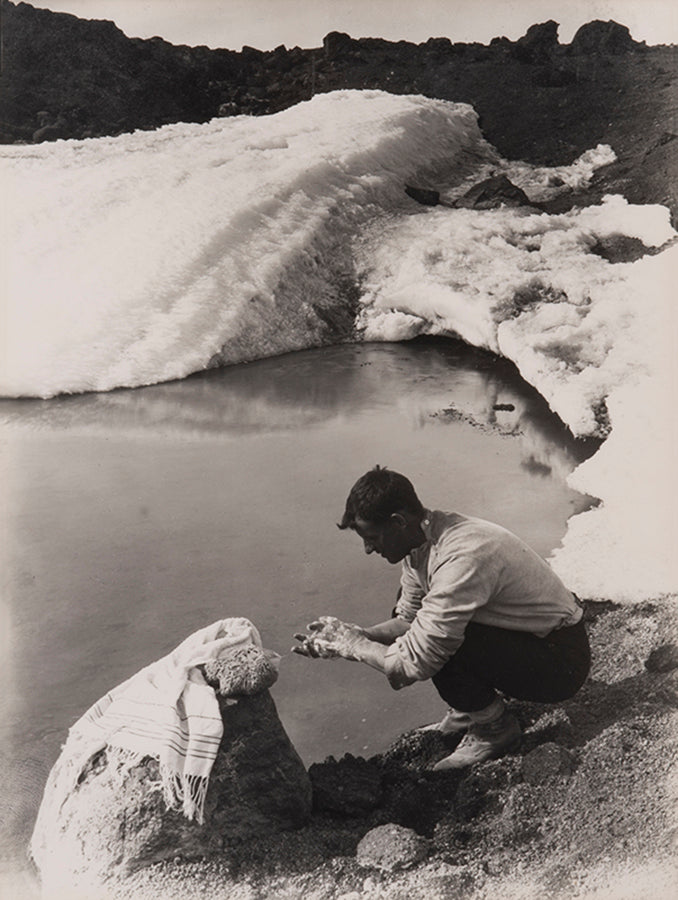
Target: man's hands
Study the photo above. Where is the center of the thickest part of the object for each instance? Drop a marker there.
(330, 638)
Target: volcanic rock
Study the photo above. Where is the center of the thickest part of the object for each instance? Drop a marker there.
(603, 37)
(536, 99)
(492, 193)
(390, 847)
(337, 43)
(423, 195)
(610, 819)
(616, 248)
(663, 659)
(538, 43)
(351, 787)
(545, 762)
(115, 820)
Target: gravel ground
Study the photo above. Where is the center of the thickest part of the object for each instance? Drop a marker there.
(586, 809)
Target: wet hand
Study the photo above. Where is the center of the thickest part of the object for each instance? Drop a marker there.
(329, 638)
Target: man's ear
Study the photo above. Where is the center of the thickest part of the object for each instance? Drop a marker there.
(399, 519)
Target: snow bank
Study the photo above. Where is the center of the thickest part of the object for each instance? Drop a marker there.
(146, 257)
(626, 548)
(595, 338)
(522, 284)
(539, 182)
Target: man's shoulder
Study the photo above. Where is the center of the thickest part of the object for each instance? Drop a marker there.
(454, 523)
(452, 531)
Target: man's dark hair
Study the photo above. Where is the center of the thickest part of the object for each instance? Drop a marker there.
(378, 494)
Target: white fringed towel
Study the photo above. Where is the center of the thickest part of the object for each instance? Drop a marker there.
(166, 711)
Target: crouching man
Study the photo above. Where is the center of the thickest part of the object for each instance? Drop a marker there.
(479, 613)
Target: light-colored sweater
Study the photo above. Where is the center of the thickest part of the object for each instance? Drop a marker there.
(470, 570)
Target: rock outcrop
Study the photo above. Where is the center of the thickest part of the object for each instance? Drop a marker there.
(116, 821)
(537, 99)
(603, 37)
(538, 43)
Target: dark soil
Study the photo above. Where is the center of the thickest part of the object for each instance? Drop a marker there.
(585, 808)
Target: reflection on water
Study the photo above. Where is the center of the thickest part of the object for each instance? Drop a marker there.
(138, 516)
(314, 387)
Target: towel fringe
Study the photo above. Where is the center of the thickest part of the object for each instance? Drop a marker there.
(185, 792)
(167, 712)
(125, 759)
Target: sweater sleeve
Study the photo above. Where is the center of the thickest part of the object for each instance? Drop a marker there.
(459, 585)
(411, 593)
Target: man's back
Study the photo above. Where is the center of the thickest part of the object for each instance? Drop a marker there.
(473, 570)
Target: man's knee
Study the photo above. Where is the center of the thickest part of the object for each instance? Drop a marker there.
(518, 664)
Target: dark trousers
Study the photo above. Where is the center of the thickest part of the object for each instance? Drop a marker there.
(519, 664)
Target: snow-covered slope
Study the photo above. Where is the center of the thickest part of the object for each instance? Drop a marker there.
(146, 257)
(142, 258)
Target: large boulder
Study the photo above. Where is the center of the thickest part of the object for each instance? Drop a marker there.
(338, 44)
(602, 37)
(116, 821)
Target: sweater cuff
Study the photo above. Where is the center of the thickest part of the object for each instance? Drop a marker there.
(395, 670)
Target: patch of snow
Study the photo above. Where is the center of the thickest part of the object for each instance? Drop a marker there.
(143, 258)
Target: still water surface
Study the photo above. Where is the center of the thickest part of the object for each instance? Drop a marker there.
(136, 517)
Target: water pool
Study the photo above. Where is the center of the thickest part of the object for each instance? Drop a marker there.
(137, 516)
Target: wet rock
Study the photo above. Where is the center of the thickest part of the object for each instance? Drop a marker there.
(115, 821)
(423, 196)
(663, 659)
(546, 762)
(619, 248)
(390, 847)
(350, 787)
(492, 193)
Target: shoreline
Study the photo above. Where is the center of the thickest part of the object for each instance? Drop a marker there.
(585, 809)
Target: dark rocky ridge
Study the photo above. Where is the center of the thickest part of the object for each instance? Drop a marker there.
(537, 100)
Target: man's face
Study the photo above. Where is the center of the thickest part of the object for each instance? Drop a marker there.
(389, 539)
